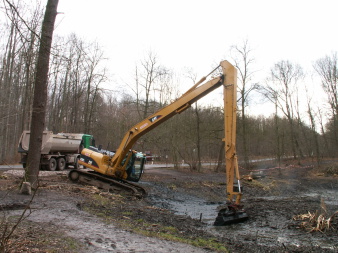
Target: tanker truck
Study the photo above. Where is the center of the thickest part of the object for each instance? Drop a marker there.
(58, 151)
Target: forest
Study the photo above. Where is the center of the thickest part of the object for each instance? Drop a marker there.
(83, 98)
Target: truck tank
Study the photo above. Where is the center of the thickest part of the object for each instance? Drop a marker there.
(61, 142)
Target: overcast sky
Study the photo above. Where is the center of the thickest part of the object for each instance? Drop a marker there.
(196, 33)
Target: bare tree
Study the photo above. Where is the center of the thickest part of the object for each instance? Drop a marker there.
(327, 69)
(281, 91)
(94, 77)
(6, 86)
(147, 77)
(40, 94)
(320, 116)
(241, 55)
(193, 77)
(313, 126)
(17, 68)
(76, 73)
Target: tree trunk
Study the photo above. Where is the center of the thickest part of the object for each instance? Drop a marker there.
(277, 134)
(40, 94)
(244, 134)
(220, 158)
(198, 139)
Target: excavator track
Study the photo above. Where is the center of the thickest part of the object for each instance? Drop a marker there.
(107, 183)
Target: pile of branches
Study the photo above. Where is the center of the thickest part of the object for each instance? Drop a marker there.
(318, 221)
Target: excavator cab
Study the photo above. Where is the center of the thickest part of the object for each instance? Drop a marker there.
(135, 166)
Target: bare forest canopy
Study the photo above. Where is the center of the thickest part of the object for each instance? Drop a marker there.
(79, 101)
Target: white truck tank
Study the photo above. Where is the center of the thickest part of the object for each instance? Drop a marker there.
(61, 142)
(58, 151)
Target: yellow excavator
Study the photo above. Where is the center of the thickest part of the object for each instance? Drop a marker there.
(116, 171)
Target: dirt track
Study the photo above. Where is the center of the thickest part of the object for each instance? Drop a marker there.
(105, 222)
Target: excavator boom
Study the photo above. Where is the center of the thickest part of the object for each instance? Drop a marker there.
(120, 166)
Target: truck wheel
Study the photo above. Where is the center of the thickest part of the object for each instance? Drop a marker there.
(61, 163)
(52, 164)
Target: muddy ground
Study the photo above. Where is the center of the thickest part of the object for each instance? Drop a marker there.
(177, 215)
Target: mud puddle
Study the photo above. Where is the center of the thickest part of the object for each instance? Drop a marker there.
(193, 207)
(182, 204)
(269, 217)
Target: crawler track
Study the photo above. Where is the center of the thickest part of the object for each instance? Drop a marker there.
(108, 183)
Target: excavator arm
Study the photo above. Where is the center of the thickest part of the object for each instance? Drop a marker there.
(118, 165)
(146, 125)
(233, 212)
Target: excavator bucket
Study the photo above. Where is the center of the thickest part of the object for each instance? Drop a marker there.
(230, 215)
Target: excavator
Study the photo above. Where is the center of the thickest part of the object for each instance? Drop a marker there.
(117, 170)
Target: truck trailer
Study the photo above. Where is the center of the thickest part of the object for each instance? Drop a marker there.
(58, 151)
